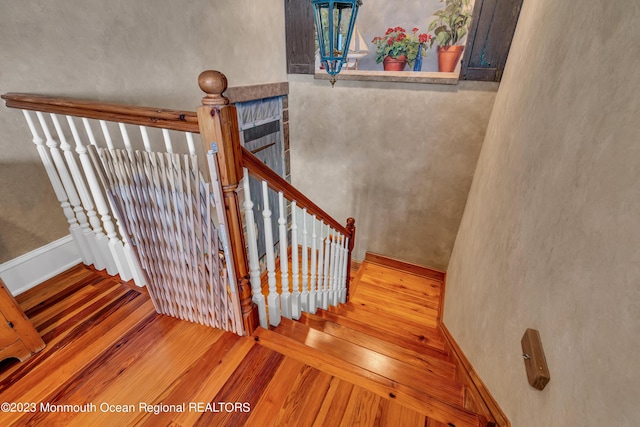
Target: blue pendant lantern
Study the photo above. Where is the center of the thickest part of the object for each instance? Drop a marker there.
(334, 26)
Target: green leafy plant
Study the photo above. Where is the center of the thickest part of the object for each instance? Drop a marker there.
(396, 42)
(451, 23)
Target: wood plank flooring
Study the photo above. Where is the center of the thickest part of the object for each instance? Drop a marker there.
(110, 354)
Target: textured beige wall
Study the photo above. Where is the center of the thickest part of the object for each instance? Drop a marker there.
(550, 237)
(139, 52)
(397, 157)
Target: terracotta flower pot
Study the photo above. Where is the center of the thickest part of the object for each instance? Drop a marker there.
(395, 64)
(448, 58)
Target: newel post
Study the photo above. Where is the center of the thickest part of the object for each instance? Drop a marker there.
(218, 122)
(351, 227)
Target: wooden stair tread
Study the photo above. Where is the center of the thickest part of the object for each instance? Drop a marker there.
(439, 385)
(420, 400)
(423, 301)
(419, 316)
(393, 325)
(400, 281)
(400, 340)
(429, 360)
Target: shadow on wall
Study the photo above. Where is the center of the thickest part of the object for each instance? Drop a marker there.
(30, 214)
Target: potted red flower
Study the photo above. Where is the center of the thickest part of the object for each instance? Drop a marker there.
(396, 48)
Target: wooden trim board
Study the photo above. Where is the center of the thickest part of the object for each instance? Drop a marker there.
(26, 271)
(407, 267)
(478, 397)
(253, 92)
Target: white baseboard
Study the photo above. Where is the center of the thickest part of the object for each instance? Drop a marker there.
(28, 270)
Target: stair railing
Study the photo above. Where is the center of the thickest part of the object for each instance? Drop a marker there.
(321, 243)
(139, 205)
(77, 188)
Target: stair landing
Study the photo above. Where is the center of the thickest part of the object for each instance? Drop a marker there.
(383, 349)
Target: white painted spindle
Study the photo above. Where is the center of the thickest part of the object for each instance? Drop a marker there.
(130, 269)
(285, 298)
(145, 139)
(125, 136)
(339, 269)
(106, 134)
(320, 279)
(274, 298)
(326, 271)
(101, 243)
(77, 213)
(345, 260)
(336, 289)
(115, 244)
(167, 141)
(58, 188)
(101, 204)
(320, 266)
(190, 143)
(88, 241)
(312, 293)
(254, 262)
(334, 269)
(296, 306)
(304, 295)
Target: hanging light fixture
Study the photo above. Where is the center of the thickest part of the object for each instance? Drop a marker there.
(334, 26)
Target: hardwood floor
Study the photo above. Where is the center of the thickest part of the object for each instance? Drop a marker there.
(110, 354)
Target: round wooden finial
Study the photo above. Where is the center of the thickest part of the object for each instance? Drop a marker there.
(213, 83)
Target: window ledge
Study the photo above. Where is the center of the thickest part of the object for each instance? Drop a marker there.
(393, 76)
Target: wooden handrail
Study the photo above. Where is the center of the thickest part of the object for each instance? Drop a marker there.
(186, 121)
(277, 183)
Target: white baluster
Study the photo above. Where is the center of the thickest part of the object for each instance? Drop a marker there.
(103, 209)
(333, 269)
(312, 293)
(345, 260)
(130, 268)
(273, 299)
(327, 262)
(70, 192)
(296, 306)
(101, 242)
(336, 289)
(190, 143)
(145, 139)
(58, 188)
(125, 136)
(285, 298)
(88, 241)
(105, 132)
(339, 269)
(254, 262)
(320, 267)
(304, 295)
(340, 254)
(167, 140)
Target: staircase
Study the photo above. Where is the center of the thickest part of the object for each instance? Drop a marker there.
(386, 340)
